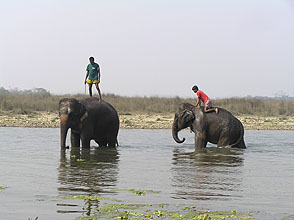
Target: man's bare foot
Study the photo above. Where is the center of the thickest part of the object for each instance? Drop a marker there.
(216, 110)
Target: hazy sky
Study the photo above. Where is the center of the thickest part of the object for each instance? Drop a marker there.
(150, 47)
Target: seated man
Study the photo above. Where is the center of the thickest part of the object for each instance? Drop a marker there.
(204, 98)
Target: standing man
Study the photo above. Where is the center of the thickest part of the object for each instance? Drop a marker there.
(93, 75)
(204, 98)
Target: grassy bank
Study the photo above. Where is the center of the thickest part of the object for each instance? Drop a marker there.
(140, 121)
(40, 110)
(19, 102)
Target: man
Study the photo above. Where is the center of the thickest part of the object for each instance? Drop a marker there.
(93, 75)
(204, 98)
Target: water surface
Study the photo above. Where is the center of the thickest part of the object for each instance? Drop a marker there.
(41, 178)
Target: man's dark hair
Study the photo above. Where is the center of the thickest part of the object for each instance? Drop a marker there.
(91, 58)
(195, 88)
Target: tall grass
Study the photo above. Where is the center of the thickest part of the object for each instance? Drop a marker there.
(238, 106)
(257, 106)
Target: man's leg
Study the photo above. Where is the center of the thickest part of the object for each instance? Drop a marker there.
(206, 110)
(98, 90)
(208, 107)
(90, 89)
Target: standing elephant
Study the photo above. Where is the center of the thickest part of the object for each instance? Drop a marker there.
(222, 129)
(88, 120)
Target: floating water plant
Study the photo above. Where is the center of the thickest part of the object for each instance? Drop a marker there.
(145, 211)
(91, 198)
(119, 210)
(139, 192)
(2, 187)
(81, 160)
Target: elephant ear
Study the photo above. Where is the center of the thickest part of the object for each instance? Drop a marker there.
(83, 112)
(189, 116)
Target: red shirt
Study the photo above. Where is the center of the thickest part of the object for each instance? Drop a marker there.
(201, 95)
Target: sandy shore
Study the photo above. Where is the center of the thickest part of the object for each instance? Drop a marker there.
(139, 121)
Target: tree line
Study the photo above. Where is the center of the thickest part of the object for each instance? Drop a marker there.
(42, 100)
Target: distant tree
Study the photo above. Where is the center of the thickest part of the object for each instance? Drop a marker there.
(40, 91)
(3, 90)
(281, 94)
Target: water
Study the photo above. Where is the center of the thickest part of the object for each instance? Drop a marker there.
(40, 177)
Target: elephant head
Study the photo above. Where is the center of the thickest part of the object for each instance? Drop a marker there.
(184, 118)
(71, 113)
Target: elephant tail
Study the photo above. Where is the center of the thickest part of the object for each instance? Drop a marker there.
(241, 136)
(117, 143)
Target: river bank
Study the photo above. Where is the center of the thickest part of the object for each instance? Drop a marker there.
(138, 121)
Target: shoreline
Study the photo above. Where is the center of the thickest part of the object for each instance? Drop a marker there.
(139, 121)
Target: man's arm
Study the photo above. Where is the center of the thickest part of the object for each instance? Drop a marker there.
(198, 103)
(87, 74)
(99, 75)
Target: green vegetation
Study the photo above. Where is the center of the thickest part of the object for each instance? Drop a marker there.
(110, 208)
(2, 187)
(87, 197)
(91, 198)
(124, 210)
(146, 211)
(139, 192)
(41, 100)
(33, 218)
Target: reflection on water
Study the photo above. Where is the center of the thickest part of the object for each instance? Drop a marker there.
(212, 173)
(87, 172)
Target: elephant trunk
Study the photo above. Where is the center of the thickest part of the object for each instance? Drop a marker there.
(63, 130)
(175, 131)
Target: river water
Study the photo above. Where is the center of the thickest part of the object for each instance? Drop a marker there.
(41, 178)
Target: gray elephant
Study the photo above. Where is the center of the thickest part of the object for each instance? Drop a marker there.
(88, 120)
(222, 129)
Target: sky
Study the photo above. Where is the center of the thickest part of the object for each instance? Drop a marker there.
(228, 48)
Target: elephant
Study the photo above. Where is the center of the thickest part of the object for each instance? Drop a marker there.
(88, 120)
(222, 129)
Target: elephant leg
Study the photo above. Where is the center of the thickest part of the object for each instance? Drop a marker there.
(86, 142)
(104, 142)
(224, 139)
(200, 140)
(222, 142)
(100, 143)
(112, 142)
(75, 139)
(240, 145)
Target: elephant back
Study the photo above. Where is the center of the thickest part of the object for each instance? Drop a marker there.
(100, 111)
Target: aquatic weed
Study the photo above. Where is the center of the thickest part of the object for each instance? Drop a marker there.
(123, 211)
(34, 219)
(86, 197)
(139, 192)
